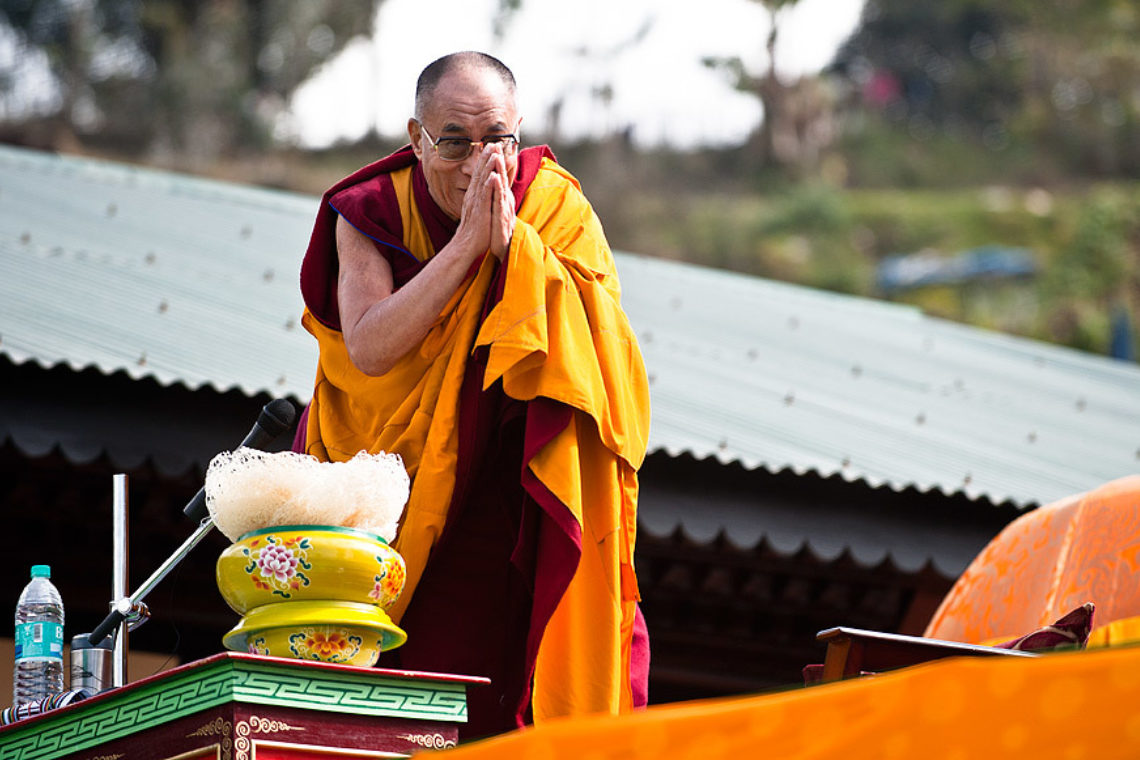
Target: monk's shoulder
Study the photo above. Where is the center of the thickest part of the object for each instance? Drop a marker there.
(554, 196)
(554, 176)
(368, 196)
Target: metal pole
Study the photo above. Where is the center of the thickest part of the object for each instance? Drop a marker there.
(119, 575)
(180, 553)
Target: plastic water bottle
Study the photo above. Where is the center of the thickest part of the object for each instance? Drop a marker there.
(39, 640)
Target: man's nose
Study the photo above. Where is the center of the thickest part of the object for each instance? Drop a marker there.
(467, 166)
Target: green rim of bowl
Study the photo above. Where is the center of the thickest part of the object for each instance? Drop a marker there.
(326, 528)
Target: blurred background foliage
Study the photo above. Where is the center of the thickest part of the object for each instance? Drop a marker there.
(941, 127)
(174, 80)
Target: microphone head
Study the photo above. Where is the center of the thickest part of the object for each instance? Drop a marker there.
(277, 416)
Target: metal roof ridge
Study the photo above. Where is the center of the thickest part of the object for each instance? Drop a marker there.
(134, 175)
(163, 378)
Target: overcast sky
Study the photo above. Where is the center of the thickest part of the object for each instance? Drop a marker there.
(567, 51)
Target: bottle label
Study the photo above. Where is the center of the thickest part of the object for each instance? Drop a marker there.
(39, 642)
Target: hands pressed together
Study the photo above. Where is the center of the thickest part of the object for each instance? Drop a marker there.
(381, 324)
(487, 220)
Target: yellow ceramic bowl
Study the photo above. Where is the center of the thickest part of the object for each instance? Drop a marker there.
(342, 632)
(309, 562)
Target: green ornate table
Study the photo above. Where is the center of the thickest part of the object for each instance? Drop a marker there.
(243, 707)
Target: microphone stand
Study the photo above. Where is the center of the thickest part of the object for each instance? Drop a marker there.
(129, 612)
(130, 609)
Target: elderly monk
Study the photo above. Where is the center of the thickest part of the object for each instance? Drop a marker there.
(468, 315)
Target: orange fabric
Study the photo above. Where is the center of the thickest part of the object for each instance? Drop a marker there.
(1081, 549)
(562, 335)
(1115, 633)
(1069, 705)
(412, 410)
(558, 332)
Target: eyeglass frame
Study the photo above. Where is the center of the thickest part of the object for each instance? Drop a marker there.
(512, 137)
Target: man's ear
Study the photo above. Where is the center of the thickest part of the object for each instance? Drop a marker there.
(415, 131)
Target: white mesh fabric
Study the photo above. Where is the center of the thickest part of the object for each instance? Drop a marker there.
(249, 490)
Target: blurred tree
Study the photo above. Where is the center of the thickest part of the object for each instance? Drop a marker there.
(504, 14)
(1081, 102)
(768, 87)
(201, 79)
(798, 116)
(937, 63)
(1052, 80)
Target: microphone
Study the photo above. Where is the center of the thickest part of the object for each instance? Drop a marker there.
(276, 417)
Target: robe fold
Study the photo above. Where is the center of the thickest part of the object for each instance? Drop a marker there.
(522, 418)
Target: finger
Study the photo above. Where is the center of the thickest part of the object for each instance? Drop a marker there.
(487, 160)
(495, 217)
(492, 193)
(495, 170)
(480, 174)
(483, 162)
(492, 185)
(502, 218)
(499, 161)
(476, 198)
(484, 168)
(507, 209)
(503, 195)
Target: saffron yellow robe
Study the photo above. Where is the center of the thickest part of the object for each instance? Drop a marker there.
(557, 332)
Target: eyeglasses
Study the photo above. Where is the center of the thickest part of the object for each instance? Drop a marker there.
(459, 148)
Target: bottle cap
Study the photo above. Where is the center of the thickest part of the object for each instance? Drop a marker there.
(41, 571)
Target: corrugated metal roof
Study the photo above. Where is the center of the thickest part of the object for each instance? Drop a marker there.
(185, 280)
(779, 376)
(193, 281)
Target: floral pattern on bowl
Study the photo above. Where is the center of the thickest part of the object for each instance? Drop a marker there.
(277, 565)
(328, 645)
(346, 633)
(388, 584)
(309, 562)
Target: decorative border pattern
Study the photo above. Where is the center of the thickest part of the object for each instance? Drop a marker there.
(162, 700)
(218, 727)
(256, 725)
(431, 741)
(317, 751)
(351, 693)
(84, 726)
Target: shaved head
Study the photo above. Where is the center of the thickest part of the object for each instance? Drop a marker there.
(467, 61)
